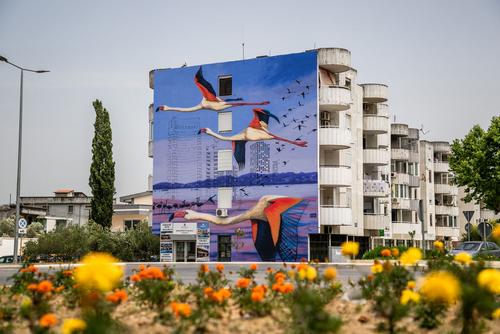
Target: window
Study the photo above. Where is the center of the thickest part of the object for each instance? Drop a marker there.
(70, 209)
(348, 82)
(430, 220)
(225, 160)
(225, 121)
(224, 198)
(225, 85)
(131, 224)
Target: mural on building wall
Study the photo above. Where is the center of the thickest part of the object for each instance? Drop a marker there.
(273, 180)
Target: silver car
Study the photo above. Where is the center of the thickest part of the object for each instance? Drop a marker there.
(477, 248)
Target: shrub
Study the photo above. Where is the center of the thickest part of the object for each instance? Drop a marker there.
(375, 253)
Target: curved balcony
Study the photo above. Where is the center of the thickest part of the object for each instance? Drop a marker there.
(376, 157)
(384, 141)
(374, 221)
(443, 231)
(441, 146)
(335, 137)
(375, 188)
(445, 189)
(446, 210)
(400, 154)
(441, 167)
(335, 175)
(334, 98)
(399, 129)
(375, 93)
(413, 133)
(401, 203)
(332, 215)
(382, 109)
(375, 124)
(335, 60)
(401, 178)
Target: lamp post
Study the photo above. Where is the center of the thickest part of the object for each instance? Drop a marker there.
(19, 150)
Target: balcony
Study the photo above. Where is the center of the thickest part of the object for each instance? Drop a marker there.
(335, 176)
(375, 124)
(332, 215)
(444, 231)
(441, 146)
(374, 221)
(413, 156)
(414, 206)
(383, 110)
(399, 130)
(414, 181)
(441, 167)
(335, 60)
(334, 98)
(375, 188)
(400, 178)
(403, 228)
(446, 210)
(376, 157)
(335, 137)
(413, 133)
(375, 93)
(150, 148)
(445, 189)
(401, 203)
(400, 154)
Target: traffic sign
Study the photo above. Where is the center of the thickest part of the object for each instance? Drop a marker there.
(484, 229)
(22, 223)
(23, 231)
(468, 227)
(468, 215)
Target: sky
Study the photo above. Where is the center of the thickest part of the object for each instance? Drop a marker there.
(440, 60)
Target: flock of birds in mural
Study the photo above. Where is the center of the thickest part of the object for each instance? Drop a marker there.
(274, 218)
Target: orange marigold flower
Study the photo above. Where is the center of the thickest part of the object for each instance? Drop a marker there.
(395, 252)
(276, 287)
(67, 273)
(135, 278)
(257, 296)
(29, 269)
(48, 320)
(286, 288)
(370, 277)
(243, 283)
(293, 266)
(226, 293)
(385, 252)
(302, 266)
(279, 277)
(117, 297)
(204, 268)
(260, 288)
(220, 295)
(253, 267)
(44, 287)
(219, 267)
(208, 291)
(59, 288)
(32, 287)
(112, 298)
(142, 267)
(180, 309)
(151, 273)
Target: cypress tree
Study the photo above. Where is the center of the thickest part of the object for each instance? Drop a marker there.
(102, 169)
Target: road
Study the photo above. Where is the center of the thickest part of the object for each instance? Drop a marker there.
(186, 272)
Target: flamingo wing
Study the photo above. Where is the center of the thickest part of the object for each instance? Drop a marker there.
(262, 239)
(205, 87)
(284, 215)
(239, 152)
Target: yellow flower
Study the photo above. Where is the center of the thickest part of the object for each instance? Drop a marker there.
(330, 274)
(411, 285)
(463, 258)
(440, 287)
(311, 274)
(395, 252)
(302, 274)
(99, 271)
(409, 296)
(489, 279)
(71, 326)
(496, 314)
(291, 273)
(439, 245)
(496, 232)
(377, 268)
(411, 256)
(350, 248)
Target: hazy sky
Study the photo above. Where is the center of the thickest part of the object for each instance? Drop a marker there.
(441, 60)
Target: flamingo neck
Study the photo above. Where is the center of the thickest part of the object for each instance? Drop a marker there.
(190, 109)
(220, 220)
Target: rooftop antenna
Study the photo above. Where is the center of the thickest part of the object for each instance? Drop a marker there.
(314, 46)
(243, 41)
(394, 117)
(243, 49)
(422, 130)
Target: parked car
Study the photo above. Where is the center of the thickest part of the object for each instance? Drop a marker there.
(9, 259)
(477, 248)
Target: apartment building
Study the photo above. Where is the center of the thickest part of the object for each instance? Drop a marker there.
(313, 137)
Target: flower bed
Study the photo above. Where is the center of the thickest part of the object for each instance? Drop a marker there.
(453, 296)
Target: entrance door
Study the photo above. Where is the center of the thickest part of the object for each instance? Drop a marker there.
(190, 251)
(224, 248)
(185, 251)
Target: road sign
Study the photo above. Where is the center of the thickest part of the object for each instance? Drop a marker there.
(468, 215)
(22, 230)
(22, 223)
(484, 229)
(468, 227)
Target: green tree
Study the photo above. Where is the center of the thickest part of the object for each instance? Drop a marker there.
(7, 227)
(34, 230)
(475, 160)
(102, 169)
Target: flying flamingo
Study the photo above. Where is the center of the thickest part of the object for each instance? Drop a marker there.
(274, 220)
(210, 100)
(257, 130)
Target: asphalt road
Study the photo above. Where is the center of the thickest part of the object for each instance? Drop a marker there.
(186, 272)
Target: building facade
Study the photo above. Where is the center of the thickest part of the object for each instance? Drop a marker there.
(312, 134)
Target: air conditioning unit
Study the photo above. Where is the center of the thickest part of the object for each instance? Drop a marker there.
(395, 200)
(221, 213)
(393, 174)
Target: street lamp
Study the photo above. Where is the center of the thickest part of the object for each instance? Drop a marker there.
(19, 147)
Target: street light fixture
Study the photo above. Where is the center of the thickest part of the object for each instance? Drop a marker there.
(19, 149)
